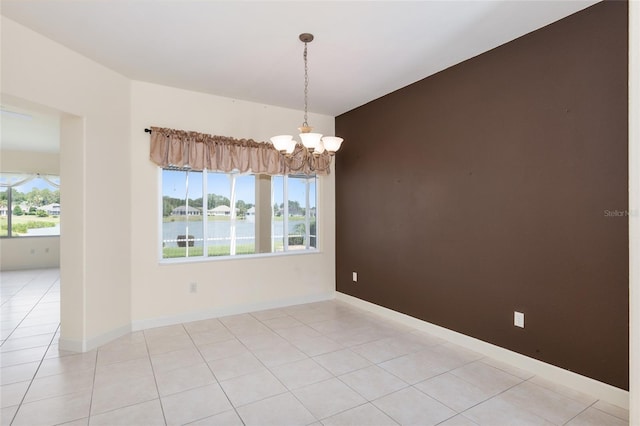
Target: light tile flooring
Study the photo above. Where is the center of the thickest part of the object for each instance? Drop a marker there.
(318, 364)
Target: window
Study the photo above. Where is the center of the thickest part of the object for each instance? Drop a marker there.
(207, 214)
(297, 215)
(29, 205)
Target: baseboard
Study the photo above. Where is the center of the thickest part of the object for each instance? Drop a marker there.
(225, 311)
(86, 345)
(559, 375)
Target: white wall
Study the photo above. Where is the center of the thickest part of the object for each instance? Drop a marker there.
(31, 252)
(160, 292)
(95, 175)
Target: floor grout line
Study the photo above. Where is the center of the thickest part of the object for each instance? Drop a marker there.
(353, 322)
(34, 377)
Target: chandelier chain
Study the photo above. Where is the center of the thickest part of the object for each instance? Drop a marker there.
(306, 84)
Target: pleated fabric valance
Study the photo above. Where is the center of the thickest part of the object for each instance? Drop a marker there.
(199, 151)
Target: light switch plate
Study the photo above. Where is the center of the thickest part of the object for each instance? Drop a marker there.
(518, 319)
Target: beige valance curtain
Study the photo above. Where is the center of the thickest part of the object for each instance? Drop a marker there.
(199, 151)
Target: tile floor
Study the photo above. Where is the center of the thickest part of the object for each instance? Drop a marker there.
(318, 364)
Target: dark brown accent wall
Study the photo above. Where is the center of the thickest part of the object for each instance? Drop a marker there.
(500, 185)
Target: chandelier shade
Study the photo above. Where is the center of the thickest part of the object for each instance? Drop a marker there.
(319, 149)
(312, 144)
(310, 140)
(283, 143)
(332, 143)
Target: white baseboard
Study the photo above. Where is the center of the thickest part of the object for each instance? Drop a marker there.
(86, 345)
(230, 310)
(550, 372)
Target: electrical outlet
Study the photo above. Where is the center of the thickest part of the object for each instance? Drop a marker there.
(518, 319)
(355, 277)
(193, 287)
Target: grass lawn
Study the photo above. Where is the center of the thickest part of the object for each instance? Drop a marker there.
(20, 224)
(172, 252)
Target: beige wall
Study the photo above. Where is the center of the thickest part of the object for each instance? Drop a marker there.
(34, 162)
(160, 292)
(109, 256)
(95, 173)
(32, 252)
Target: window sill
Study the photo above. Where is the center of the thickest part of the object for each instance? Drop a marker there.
(200, 259)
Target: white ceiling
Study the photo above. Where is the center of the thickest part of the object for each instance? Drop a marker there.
(250, 50)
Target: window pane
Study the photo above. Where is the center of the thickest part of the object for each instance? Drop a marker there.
(245, 229)
(4, 212)
(230, 232)
(34, 209)
(302, 222)
(182, 230)
(313, 212)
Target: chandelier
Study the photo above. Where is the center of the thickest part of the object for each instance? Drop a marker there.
(299, 156)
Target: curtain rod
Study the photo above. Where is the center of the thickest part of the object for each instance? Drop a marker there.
(147, 130)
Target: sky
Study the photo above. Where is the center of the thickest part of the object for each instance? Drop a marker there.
(173, 185)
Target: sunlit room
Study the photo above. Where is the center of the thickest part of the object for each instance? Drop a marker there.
(320, 213)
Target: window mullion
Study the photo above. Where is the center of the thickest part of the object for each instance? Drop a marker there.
(232, 218)
(307, 214)
(285, 213)
(205, 216)
(9, 210)
(186, 210)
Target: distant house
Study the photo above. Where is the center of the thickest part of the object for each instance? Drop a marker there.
(4, 211)
(221, 210)
(251, 214)
(184, 211)
(51, 209)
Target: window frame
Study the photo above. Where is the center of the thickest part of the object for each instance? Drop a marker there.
(205, 257)
(10, 203)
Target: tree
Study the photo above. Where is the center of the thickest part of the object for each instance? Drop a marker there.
(196, 203)
(215, 200)
(36, 197)
(169, 203)
(242, 208)
(17, 211)
(17, 196)
(295, 209)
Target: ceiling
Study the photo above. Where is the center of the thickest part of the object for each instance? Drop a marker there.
(250, 50)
